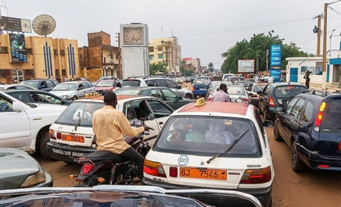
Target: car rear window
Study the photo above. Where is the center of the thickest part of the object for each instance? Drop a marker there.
(132, 92)
(288, 91)
(331, 117)
(79, 113)
(131, 83)
(208, 136)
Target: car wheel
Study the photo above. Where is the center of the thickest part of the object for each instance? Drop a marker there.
(44, 139)
(189, 96)
(296, 164)
(74, 98)
(277, 137)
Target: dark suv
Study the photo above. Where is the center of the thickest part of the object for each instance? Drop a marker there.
(310, 125)
(274, 97)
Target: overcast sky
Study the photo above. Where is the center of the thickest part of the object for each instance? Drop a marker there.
(205, 28)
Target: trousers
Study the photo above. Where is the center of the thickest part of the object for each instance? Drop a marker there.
(133, 155)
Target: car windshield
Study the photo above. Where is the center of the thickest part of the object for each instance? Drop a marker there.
(258, 88)
(79, 110)
(235, 90)
(331, 117)
(288, 91)
(65, 87)
(131, 83)
(133, 92)
(34, 84)
(105, 84)
(207, 136)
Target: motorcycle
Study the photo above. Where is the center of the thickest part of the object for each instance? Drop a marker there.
(105, 167)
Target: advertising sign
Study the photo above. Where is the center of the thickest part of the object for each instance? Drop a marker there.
(18, 48)
(246, 66)
(276, 74)
(15, 24)
(276, 56)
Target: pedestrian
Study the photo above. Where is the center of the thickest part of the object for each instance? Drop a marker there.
(307, 78)
(221, 95)
(65, 80)
(256, 78)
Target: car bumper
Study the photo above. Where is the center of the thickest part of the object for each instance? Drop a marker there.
(271, 113)
(67, 153)
(199, 92)
(318, 162)
(263, 195)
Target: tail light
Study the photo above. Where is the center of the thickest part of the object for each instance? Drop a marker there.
(319, 116)
(87, 167)
(256, 176)
(339, 148)
(153, 168)
(209, 99)
(51, 134)
(271, 102)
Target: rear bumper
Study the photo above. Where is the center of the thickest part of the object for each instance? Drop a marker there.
(316, 161)
(199, 92)
(67, 153)
(263, 194)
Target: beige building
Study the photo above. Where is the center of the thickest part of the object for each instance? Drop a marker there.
(40, 57)
(193, 64)
(168, 51)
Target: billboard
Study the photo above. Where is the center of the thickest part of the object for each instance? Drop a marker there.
(276, 74)
(15, 24)
(18, 48)
(246, 66)
(275, 56)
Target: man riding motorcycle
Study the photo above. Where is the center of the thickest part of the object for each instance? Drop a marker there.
(109, 125)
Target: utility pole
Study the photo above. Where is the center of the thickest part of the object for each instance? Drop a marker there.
(119, 56)
(324, 60)
(318, 35)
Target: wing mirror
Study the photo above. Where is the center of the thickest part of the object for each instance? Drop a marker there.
(16, 107)
(151, 117)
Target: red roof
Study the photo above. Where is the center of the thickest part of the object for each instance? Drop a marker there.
(222, 107)
(119, 97)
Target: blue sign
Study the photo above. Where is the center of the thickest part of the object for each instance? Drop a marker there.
(276, 56)
(276, 74)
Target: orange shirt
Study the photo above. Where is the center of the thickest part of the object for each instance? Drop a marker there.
(109, 125)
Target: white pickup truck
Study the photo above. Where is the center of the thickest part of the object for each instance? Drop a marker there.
(26, 126)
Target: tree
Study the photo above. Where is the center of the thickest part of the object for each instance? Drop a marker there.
(189, 72)
(210, 67)
(161, 67)
(256, 49)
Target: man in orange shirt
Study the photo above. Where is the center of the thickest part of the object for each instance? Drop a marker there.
(109, 125)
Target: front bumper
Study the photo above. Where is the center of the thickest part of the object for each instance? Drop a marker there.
(67, 153)
(263, 194)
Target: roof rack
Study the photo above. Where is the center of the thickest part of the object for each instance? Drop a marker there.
(321, 93)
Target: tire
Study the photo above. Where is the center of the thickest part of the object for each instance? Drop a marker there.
(43, 140)
(296, 164)
(277, 136)
(74, 98)
(189, 96)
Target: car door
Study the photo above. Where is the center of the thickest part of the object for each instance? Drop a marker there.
(172, 99)
(14, 127)
(282, 116)
(305, 123)
(172, 84)
(263, 98)
(81, 90)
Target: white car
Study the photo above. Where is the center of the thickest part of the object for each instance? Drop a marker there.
(213, 145)
(73, 90)
(237, 94)
(71, 135)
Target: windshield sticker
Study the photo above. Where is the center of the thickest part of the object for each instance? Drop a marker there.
(183, 160)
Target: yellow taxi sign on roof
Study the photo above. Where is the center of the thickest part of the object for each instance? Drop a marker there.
(91, 95)
(200, 102)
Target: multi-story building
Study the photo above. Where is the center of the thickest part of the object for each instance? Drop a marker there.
(193, 64)
(33, 57)
(168, 51)
(99, 58)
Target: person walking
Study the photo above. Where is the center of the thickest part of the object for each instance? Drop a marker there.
(307, 78)
(65, 80)
(221, 95)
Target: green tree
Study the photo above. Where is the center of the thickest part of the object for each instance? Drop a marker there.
(161, 67)
(210, 67)
(189, 72)
(256, 49)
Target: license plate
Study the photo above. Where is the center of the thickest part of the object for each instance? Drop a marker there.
(203, 173)
(72, 138)
(202, 88)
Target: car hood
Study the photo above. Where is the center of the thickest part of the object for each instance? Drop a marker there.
(15, 166)
(63, 93)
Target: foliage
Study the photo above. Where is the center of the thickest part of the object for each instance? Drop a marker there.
(161, 67)
(210, 67)
(189, 72)
(256, 49)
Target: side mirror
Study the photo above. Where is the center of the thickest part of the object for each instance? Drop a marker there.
(16, 107)
(151, 117)
(268, 123)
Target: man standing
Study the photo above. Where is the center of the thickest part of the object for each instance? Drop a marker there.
(221, 95)
(307, 79)
(109, 125)
(256, 78)
(65, 80)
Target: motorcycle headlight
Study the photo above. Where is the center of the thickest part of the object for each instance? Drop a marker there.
(34, 179)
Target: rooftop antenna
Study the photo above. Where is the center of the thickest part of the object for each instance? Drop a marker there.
(44, 24)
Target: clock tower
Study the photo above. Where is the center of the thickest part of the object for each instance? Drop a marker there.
(134, 50)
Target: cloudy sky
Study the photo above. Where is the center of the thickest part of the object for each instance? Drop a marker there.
(205, 28)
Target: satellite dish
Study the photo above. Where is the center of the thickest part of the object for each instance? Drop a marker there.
(43, 24)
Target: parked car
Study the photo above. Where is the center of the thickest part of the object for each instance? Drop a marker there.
(275, 96)
(40, 84)
(310, 125)
(20, 170)
(71, 135)
(147, 81)
(15, 86)
(245, 84)
(73, 90)
(37, 97)
(106, 85)
(237, 93)
(163, 93)
(179, 80)
(254, 88)
(213, 145)
(226, 75)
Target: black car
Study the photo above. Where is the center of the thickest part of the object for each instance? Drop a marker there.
(40, 84)
(274, 97)
(163, 93)
(37, 96)
(253, 90)
(310, 125)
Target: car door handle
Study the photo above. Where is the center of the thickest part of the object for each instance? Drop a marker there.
(161, 122)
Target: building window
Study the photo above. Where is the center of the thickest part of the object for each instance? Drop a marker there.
(63, 72)
(80, 56)
(62, 52)
(104, 60)
(151, 49)
(159, 48)
(17, 76)
(29, 51)
(151, 57)
(55, 51)
(315, 70)
(4, 73)
(29, 73)
(160, 56)
(3, 50)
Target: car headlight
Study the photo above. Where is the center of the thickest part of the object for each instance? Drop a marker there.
(64, 96)
(34, 179)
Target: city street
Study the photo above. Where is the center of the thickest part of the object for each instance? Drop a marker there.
(310, 188)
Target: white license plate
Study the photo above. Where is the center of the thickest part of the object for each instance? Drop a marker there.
(202, 89)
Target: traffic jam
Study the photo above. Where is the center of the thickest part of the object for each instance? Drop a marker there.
(204, 142)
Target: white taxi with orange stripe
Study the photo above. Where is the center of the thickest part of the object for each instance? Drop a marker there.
(213, 145)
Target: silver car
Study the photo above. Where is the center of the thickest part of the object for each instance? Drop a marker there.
(73, 90)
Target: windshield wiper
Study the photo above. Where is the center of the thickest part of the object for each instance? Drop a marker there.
(79, 120)
(229, 148)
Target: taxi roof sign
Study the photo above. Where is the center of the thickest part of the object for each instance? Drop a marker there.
(91, 95)
(200, 102)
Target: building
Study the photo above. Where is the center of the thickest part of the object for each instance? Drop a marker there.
(168, 51)
(193, 64)
(99, 58)
(23, 58)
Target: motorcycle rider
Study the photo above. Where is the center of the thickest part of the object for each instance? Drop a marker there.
(109, 125)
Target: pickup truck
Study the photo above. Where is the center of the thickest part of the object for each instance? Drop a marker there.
(26, 126)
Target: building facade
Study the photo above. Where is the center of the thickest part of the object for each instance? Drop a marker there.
(193, 64)
(37, 57)
(168, 51)
(99, 58)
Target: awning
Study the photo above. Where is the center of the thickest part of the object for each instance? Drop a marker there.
(335, 61)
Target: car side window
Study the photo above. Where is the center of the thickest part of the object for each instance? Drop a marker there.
(171, 84)
(130, 111)
(307, 113)
(45, 98)
(159, 109)
(5, 105)
(85, 85)
(49, 84)
(156, 93)
(298, 107)
(170, 95)
(150, 83)
(43, 84)
(21, 97)
(290, 105)
(160, 82)
(80, 86)
(267, 90)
